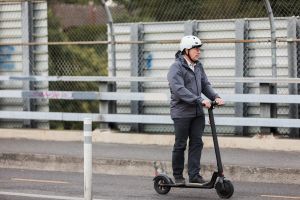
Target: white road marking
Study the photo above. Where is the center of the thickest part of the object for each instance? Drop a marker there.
(39, 181)
(42, 196)
(281, 197)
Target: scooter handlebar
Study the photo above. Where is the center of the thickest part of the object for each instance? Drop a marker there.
(213, 104)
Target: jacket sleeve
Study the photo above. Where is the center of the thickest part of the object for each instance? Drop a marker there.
(176, 83)
(207, 89)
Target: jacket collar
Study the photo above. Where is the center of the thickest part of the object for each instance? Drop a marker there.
(182, 60)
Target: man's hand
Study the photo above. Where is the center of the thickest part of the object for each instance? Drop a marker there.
(206, 103)
(219, 101)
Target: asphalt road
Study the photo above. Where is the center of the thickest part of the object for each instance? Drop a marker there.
(152, 152)
(18, 184)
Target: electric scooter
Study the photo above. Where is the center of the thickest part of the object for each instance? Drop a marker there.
(223, 186)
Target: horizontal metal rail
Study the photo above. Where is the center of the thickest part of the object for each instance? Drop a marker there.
(146, 119)
(129, 96)
(104, 42)
(134, 96)
(144, 79)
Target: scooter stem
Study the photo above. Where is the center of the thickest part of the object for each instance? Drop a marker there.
(215, 138)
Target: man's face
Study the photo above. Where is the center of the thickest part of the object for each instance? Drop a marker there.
(194, 53)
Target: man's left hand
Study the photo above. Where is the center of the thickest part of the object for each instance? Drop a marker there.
(219, 101)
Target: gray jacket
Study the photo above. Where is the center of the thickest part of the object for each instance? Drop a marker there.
(186, 87)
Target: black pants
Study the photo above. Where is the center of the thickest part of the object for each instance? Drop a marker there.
(192, 129)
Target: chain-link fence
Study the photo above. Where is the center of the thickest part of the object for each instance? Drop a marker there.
(75, 29)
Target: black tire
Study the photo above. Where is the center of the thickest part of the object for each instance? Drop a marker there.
(226, 191)
(161, 189)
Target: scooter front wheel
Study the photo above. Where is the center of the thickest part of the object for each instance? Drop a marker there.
(224, 189)
(159, 185)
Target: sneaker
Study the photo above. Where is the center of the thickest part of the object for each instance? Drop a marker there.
(180, 180)
(197, 179)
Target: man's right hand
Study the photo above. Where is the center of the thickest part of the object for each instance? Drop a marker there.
(206, 103)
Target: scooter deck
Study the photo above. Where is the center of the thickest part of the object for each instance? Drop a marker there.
(206, 185)
(189, 185)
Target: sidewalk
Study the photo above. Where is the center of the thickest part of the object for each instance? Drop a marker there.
(245, 159)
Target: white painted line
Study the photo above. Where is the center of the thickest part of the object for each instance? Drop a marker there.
(42, 196)
(281, 197)
(39, 181)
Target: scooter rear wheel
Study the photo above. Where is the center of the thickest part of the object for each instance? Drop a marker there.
(158, 182)
(226, 190)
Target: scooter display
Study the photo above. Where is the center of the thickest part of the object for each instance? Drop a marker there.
(223, 186)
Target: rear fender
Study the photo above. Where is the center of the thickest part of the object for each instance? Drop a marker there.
(159, 176)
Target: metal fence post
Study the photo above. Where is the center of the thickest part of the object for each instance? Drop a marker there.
(273, 87)
(103, 105)
(27, 54)
(265, 108)
(136, 70)
(239, 72)
(292, 64)
(112, 69)
(190, 28)
(87, 131)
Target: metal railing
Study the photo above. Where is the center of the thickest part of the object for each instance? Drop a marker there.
(105, 97)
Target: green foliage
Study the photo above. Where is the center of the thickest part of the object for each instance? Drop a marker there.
(89, 32)
(180, 10)
(75, 60)
(285, 8)
(83, 2)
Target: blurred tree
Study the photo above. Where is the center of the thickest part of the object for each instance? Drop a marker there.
(285, 8)
(74, 60)
(89, 59)
(178, 10)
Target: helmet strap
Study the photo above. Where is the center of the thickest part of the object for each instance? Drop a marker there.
(188, 55)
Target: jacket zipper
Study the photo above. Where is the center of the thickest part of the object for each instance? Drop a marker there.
(197, 89)
(197, 92)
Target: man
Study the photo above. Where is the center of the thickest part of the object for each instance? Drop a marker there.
(187, 80)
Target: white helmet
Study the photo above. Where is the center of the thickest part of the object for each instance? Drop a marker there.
(189, 42)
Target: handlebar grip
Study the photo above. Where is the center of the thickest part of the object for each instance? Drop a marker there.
(213, 104)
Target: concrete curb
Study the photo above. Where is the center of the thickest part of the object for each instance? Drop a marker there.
(142, 167)
(106, 136)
